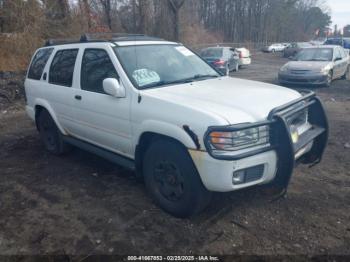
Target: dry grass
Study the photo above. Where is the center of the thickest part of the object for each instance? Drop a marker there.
(16, 50)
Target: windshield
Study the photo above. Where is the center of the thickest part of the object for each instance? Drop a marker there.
(212, 52)
(315, 54)
(150, 66)
(302, 45)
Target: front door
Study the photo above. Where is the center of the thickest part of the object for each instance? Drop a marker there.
(339, 63)
(101, 119)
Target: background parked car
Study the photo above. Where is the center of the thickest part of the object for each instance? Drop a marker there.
(317, 65)
(294, 48)
(244, 56)
(343, 42)
(225, 59)
(277, 47)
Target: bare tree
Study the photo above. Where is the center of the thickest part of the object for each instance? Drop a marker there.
(87, 13)
(176, 6)
(106, 5)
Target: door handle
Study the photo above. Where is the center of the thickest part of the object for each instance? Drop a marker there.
(77, 97)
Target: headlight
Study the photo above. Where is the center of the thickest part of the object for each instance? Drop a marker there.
(284, 69)
(325, 70)
(238, 140)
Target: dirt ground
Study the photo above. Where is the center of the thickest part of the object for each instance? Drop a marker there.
(80, 204)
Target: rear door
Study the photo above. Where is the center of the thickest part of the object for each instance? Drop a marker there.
(58, 80)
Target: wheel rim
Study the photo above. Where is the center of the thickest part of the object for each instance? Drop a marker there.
(169, 181)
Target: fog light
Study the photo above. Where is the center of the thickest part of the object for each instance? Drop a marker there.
(238, 177)
(248, 175)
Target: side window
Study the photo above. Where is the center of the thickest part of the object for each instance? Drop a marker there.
(39, 61)
(62, 67)
(96, 66)
(337, 53)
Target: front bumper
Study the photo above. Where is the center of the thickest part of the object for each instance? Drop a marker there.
(278, 158)
(308, 79)
(216, 174)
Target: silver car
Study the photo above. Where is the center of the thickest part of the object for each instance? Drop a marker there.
(224, 59)
(317, 65)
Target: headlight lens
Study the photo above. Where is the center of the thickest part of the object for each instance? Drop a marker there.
(284, 69)
(238, 140)
(325, 70)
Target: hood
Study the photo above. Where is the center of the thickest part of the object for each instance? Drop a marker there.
(236, 100)
(307, 65)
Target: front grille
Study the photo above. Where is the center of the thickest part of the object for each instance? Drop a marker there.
(300, 72)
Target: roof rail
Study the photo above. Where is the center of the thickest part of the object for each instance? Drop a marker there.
(102, 37)
(92, 37)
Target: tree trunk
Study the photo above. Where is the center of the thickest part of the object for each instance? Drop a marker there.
(176, 6)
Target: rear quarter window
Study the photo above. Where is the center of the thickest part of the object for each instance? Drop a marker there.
(38, 63)
(62, 67)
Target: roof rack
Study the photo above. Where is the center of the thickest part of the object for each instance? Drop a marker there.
(103, 37)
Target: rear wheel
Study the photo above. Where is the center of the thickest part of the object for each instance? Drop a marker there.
(50, 134)
(172, 179)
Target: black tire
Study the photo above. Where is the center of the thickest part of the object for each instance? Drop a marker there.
(329, 79)
(346, 74)
(50, 135)
(172, 179)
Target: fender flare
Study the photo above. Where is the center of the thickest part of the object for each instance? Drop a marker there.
(165, 129)
(43, 103)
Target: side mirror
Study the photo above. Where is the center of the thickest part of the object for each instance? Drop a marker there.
(112, 87)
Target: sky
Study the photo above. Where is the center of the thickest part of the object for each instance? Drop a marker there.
(340, 12)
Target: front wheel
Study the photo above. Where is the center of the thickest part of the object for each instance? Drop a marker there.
(172, 179)
(329, 79)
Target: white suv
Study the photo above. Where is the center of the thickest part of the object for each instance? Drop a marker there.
(158, 108)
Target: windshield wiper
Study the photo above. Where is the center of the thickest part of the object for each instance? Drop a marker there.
(163, 83)
(204, 76)
(315, 59)
(179, 81)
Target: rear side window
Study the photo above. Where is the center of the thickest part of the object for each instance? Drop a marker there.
(96, 66)
(62, 67)
(39, 61)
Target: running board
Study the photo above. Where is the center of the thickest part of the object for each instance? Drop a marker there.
(108, 155)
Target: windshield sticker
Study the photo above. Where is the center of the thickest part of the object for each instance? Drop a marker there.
(183, 50)
(145, 76)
